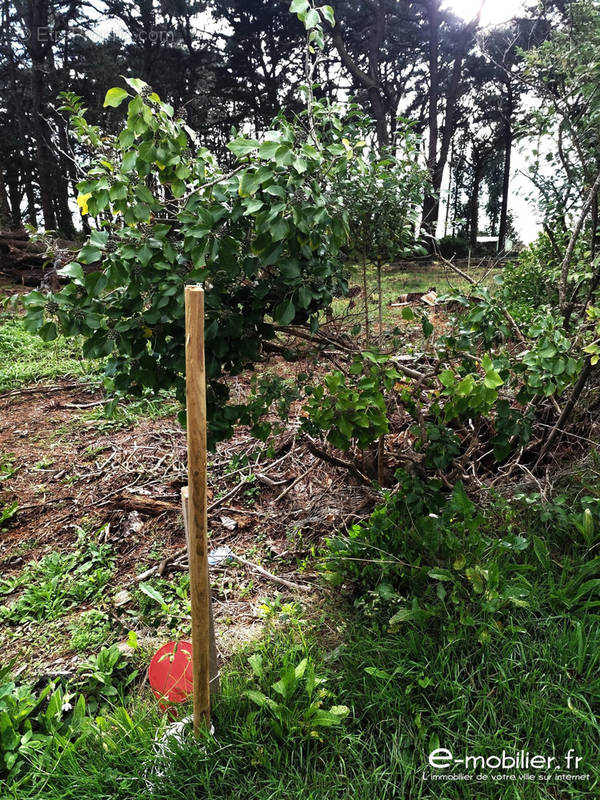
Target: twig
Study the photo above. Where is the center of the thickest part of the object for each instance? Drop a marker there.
(567, 411)
(566, 262)
(291, 486)
(473, 282)
(270, 576)
(338, 462)
(42, 388)
(213, 182)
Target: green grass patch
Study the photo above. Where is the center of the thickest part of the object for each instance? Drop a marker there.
(343, 704)
(397, 280)
(25, 358)
(532, 688)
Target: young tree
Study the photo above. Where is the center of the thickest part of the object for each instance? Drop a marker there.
(382, 192)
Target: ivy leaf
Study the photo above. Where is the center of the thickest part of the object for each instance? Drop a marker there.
(136, 83)
(242, 146)
(427, 326)
(89, 254)
(114, 97)
(48, 332)
(249, 183)
(492, 380)
(72, 270)
(268, 149)
(327, 13)
(82, 202)
(311, 19)
(299, 6)
(284, 312)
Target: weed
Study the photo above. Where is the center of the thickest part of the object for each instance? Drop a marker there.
(90, 630)
(102, 677)
(294, 703)
(7, 466)
(7, 513)
(59, 583)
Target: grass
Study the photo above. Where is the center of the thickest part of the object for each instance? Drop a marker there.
(531, 683)
(474, 682)
(25, 358)
(397, 281)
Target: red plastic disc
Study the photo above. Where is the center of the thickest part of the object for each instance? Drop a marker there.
(170, 673)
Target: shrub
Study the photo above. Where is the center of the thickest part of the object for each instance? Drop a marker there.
(456, 246)
(265, 239)
(424, 552)
(532, 281)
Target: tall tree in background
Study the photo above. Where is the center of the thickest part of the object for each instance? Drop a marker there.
(443, 100)
(263, 58)
(42, 23)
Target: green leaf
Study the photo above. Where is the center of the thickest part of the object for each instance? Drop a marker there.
(252, 205)
(279, 229)
(283, 156)
(72, 270)
(256, 663)
(301, 668)
(311, 19)
(427, 327)
(440, 574)
(299, 6)
(492, 380)
(257, 697)
(267, 150)
(48, 332)
(466, 386)
(89, 254)
(153, 594)
(249, 183)
(541, 551)
(378, 673)
(126, 138)
(327, 13)
(404, 615)
(242, 146)
(325, 719)
(284, 312)
(136, 83)
(114, 97)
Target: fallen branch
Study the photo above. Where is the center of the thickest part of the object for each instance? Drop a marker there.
(270, 576)
(515, 328)
(42, 388)
(291, 486)
(338, 462)
(147, 505)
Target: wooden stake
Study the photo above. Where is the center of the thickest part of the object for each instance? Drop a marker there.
(214, 656)
(197, 522)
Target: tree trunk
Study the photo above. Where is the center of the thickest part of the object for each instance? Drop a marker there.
(369, 80)
(31, 203)
(474, 200)
(366, 294)
(14, 194)
(35, 16)
(431, 201)
(5, 215)
(380, 304)
(508, 142)
(436, 161)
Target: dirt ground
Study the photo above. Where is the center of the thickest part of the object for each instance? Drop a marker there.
(68, 471)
